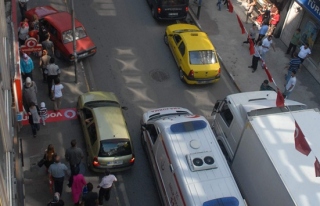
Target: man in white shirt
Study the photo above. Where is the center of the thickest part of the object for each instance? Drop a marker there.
(304, 52)
(105, 186)
(290, 85)
(266, 43)
(23, 7)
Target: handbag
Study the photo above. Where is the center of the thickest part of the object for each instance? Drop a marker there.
(41, 162)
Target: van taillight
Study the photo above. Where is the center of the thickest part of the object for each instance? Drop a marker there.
(159, 10)
(187, 9)
(95, 162)
(131, 161)
(191, 74)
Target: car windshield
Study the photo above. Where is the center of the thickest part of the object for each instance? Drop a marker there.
(115, 148)
(173, 2)
(68, 37)
(202, 57)
(95, 104)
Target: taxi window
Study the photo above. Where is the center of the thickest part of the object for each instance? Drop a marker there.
(202, 57)
(177, 39)
(182, 48)
(68, 37)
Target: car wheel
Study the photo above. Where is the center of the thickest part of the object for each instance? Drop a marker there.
(153, 12)
(166, 39)
(181, 76)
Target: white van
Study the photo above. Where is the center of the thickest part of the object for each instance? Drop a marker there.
(186, 160)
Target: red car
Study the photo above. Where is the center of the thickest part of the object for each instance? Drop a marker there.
(59, 25)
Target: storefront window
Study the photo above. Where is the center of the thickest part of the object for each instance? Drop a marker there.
(310, 34)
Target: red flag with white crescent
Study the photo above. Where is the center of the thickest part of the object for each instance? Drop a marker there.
(300, 142)
(241, 25)
(317, 167)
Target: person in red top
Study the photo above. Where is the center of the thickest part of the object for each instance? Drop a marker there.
(35, 34)
(273, 22)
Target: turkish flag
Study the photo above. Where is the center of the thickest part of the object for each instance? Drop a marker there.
(251, 48)
(230, 7)
(280, 99)
(317, 167)
(300, 142)
(241, 25)
(267, 72)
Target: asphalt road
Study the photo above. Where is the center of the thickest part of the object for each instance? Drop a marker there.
(133, 62)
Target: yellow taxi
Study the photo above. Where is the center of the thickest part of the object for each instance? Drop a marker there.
(194, 54)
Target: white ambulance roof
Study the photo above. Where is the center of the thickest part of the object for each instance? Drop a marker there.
(199, 186)
(296, 170)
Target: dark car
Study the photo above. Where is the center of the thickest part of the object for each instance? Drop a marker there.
(169, 9)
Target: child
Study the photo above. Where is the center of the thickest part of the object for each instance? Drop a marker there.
(34, 118)
(43, 113)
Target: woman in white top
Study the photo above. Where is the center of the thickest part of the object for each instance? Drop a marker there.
(56, 91)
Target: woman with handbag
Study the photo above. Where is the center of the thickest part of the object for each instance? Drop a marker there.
(49, 156)
(56, 94)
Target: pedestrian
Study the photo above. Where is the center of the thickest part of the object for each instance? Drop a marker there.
(23, 7)
(290, 85)
(77, 186)
(48, 45)
(266, 43)
(56, 200)
(219, 5)
(91, 198)
(57, 94)
(262, 32)
(23, 31)
(266, 87)
(294, 42)
(43, 113)
(53, 72)
(250, 8)
(35, 23)
(74, 156)
(252, 34)
(106, 186)
(26, 65)
(29, 93)
(275, 18)
(304, 52)
(43, 63)
(57, 172)
(293, 65)
(226, 2)
(34, 118)
(49, 156)
(258, 52)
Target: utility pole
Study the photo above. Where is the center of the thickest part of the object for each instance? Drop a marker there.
(74, 41)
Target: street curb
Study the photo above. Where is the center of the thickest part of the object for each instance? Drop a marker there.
(194, 19)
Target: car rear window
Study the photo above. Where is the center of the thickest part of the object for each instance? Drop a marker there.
(115, 148)
(173, 2)
(68, 37)
(202, 57)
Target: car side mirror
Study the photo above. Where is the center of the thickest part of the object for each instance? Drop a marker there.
(216, 107)
(143, 127)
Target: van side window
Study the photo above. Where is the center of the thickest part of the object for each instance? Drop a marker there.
(226, 114)
(152, 132)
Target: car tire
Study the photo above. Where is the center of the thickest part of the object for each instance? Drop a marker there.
(181, 76)
(165, 38)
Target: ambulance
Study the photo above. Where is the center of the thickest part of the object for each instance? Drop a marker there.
(186, 160)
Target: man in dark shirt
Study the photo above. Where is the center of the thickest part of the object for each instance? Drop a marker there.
(48, 45)
(74, 156)
(91, 198)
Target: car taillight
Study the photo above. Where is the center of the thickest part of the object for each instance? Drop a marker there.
(187, 9)
(159, 10)
(219, 73)
(95, 162)
(131, 161)
(92, 51)
(191, 74)
(219, 70)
